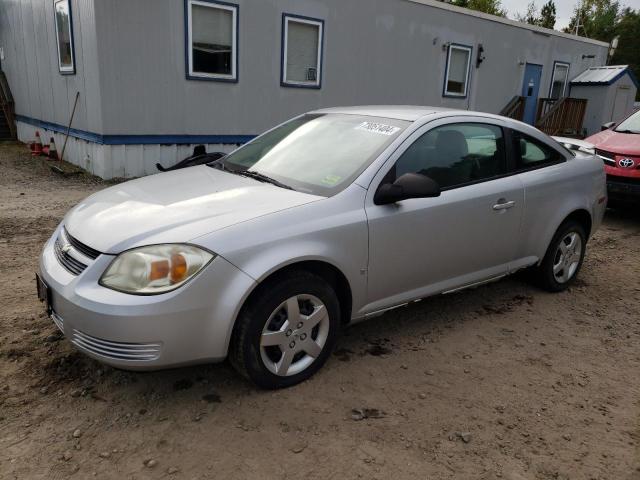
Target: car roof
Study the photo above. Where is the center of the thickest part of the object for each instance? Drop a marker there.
(398, 112)
(409, 113)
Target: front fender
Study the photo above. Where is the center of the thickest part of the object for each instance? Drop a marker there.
(333, 231)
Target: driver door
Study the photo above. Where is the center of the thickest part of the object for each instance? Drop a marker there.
(423, 246)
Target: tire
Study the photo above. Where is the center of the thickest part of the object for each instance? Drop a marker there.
(270, 349)
(559, 270)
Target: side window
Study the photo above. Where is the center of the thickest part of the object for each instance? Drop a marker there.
(531, 153)
(64, 37)
(456, 154)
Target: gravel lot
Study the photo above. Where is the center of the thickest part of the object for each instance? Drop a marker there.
(503, 381)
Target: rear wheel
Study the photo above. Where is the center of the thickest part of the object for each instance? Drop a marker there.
(286, 331)
(563, 259)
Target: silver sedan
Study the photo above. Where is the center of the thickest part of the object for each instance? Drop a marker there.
(331, 218)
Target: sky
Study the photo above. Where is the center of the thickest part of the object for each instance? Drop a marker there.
(564, 8)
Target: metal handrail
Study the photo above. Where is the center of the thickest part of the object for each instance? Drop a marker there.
(515, 108)
(8, 107)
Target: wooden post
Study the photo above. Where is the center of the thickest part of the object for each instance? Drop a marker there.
(73, 112)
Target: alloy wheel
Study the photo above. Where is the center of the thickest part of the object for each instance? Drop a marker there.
(567, 257)
(294, 335)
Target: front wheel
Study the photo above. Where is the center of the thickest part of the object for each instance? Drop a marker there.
(286, 331)
(563, 259)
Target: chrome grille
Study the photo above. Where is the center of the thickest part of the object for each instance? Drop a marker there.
(86, 250)
(607, 157)
(57, 319)
(70, 264)
(143, 352)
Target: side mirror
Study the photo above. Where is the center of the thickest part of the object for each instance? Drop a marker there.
(607, 126)
(409, 185)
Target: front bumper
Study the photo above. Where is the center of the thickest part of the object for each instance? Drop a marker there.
(623, 187)
(189, 325)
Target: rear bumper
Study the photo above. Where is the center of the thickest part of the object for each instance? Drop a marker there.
(189, 325)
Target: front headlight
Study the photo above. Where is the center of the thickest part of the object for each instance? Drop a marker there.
(154, 269)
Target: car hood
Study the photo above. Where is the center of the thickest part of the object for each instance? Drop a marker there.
(614, 142)
(173, 207)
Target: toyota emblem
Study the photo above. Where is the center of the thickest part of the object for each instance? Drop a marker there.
(66, 248)
(626, 163)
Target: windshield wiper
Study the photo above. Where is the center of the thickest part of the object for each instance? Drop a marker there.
(627, 131)
(261, 177)
(218, 165)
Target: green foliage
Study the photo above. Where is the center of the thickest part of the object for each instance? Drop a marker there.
(494, 7)
(530, 16)
(547, 17)
(595, 19)
(604, 20)
(628, 51)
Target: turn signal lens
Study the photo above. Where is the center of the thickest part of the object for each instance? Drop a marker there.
(159, 270)
(178, 268)
(155, 269)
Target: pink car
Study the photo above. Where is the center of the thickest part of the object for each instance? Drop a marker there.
(619, 147)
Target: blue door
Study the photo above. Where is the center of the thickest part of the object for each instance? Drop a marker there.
(530, 89)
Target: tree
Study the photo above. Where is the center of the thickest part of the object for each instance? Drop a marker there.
(595, 19)
(628, 51)
(530, 16)
(494, 7)
(547, 17)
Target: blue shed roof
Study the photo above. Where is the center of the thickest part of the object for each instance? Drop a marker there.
(604, 75)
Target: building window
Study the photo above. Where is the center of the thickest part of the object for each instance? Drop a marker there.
(64, 37)
(212, 40)
(456, 80)
(559, 80)
(301, 51)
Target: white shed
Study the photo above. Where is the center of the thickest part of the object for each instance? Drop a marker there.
(610, 91)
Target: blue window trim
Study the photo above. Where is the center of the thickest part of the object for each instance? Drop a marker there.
(446, 71)
(567, 85)
(71, 39)
(136, 139)
(283, 81)
(187, 46)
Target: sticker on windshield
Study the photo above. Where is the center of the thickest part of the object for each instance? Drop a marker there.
(379, 128)
(331, 180)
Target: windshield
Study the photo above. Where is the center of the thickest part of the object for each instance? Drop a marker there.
(630, 125)
(319, 154)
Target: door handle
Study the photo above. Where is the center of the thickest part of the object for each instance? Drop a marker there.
(504, 205)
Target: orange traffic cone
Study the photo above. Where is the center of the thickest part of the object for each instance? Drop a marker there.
(53, 153)
(37, 146)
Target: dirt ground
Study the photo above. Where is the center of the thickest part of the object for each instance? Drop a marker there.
(503, 381)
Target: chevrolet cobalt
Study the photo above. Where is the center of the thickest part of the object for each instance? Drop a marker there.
(333, 217)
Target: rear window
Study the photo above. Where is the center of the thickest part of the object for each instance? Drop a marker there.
(531, 153)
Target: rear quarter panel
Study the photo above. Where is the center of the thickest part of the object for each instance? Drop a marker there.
(553, 193)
